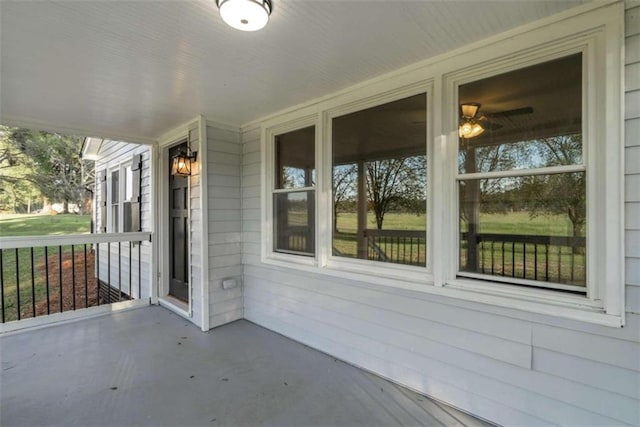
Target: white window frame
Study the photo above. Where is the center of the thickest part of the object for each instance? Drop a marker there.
(596, 30)
(389, 270)
(296, 122)
(121, 168)
(112, 227)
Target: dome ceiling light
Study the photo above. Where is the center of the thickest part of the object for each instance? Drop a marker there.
(245, 15)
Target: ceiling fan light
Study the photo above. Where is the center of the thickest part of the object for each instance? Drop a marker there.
(469, 110)
(470, 129)
(245, 15)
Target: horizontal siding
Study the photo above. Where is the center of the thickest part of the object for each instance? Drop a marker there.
(224, 157)
(632, 159)
(507, 366)
(112, 154)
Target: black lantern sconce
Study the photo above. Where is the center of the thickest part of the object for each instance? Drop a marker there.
(182, 161)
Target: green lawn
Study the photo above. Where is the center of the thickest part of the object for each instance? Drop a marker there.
(557, 265)
(39, 225)
(36, 225)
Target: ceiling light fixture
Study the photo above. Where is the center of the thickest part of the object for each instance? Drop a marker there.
(245, 15)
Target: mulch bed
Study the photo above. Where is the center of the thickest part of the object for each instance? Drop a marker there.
(84, 296)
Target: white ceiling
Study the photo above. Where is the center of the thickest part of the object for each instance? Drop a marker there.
(140, 68)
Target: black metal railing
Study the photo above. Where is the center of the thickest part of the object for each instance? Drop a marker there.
(558, 259)
(42, 275)
(397, 246)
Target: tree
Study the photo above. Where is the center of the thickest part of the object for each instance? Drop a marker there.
(16, 192)
(395, 180)
(563, 193)
(344, 187)
(54, 164)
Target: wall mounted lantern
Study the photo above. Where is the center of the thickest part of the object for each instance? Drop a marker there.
(245, 15)
(182, 161)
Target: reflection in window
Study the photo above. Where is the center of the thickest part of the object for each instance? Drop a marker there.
(524, 225)
(380, 183)
(294, 222)
(295, 159)
(294, 210)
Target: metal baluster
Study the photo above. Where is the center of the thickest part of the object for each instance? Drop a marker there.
(535, 261)
(139, 269)
(513, 259)
(503, 272)
(33, 286)
(2, 283)
(73, 275)
(130, 286)
(17, 284)
(546, 264)
(559, 264)
(46, 273)
(524, 260)
(492, 243)
(86, 279)
(119, 271)
(60, 276)
(108, 272)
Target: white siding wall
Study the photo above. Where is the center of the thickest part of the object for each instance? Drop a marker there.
(112, 155)
(223, 173)
(511, 367)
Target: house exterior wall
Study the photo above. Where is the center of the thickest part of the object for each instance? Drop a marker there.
(508, 366)
(223, 174)
(113, 154)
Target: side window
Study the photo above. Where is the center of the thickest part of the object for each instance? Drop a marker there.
(294, 192)
(115, 202)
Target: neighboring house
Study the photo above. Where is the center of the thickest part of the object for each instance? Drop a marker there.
(547, 336)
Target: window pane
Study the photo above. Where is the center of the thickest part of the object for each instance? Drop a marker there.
(380, 183)
(128, 183)
(528, 118)
(115, 186)
(294, 222)
(530, 227)
(295, 158)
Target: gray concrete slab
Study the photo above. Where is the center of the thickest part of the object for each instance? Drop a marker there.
(151, 367)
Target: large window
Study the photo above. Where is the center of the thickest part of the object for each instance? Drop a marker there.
(379, 182)
(521, 177)
(493, 176)
(294, 192)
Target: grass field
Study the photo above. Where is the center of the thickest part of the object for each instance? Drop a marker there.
(59, 264)
(512, 223)
(557, 264)
(40, 225)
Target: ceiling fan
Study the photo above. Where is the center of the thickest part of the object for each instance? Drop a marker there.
(472, 126)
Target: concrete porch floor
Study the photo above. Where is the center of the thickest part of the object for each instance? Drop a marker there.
(151, 367)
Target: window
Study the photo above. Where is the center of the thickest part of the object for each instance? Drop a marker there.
(505, 187)
(294, 192)
(115, 202)
(522, 177)
(119, 194)
(379, 183)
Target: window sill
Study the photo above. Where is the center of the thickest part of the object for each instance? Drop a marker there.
(537, 301)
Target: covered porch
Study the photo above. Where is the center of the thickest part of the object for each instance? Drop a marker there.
(149, 366)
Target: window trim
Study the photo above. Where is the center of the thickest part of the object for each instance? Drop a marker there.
(391, 270)
(268, 187)
(595, 28)
(585, 46)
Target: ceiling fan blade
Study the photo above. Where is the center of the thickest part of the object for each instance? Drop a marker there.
(509, 113)
(487, 125)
